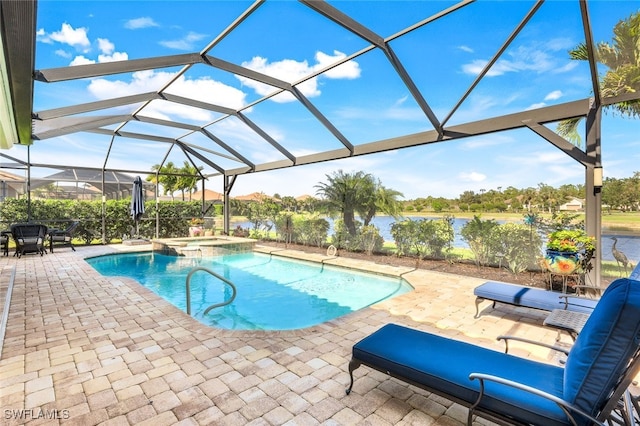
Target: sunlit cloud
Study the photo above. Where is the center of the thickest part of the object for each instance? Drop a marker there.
(536, 106)
(556, 94)
(62, 53)
(75, 37)
(472, 177)
(466, 49)
(291, 71)
(203, 89)
(482, 142)
(81, 60)
(535, 57)
(186, 43)
(138, 23)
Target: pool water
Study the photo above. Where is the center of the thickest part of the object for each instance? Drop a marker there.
(273, 293)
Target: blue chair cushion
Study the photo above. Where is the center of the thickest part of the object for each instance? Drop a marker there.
(604, 346)
(531, 297)
(443, 365)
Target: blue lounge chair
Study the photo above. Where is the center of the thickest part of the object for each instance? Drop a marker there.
(511, 390)
(530, 297)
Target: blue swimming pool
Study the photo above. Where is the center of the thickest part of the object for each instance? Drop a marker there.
(273, 293)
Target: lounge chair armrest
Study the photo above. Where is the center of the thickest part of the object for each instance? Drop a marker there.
(533, 342)
(564, 405)
(567, 303)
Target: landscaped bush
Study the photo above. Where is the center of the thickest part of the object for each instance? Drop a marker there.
(477, 233)
(174, 217)
(517, 246)
(370, 239)
(423, 236)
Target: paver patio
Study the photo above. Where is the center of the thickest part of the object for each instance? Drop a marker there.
(89, 349)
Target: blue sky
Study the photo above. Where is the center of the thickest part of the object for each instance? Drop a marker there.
(364, 98)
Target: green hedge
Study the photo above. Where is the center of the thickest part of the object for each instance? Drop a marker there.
(174, 217)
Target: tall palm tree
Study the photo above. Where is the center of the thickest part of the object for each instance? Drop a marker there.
(383, 200)
(361, 193)
(166, 177)
(188, 183)
(622, 58)
(345, 193)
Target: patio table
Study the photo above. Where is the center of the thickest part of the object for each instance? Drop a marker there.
(569, 321)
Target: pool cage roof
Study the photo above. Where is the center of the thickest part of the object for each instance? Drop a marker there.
(255, 118)
(225, 137)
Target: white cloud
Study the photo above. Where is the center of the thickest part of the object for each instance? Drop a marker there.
(203, 89)
(349, 70)
(117, 56)
(566, 68)
(291, 71)
(482, 142)
(535, 57)
(472, 177)
(108, 52)
(536, 106)
(75, 37)
(187, 43)
(105, 46)
(465, 49)
(62, 53)
(137, 23)
(81, 60)
(556, 94)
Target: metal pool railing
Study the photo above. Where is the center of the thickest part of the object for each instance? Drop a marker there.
(215, 305)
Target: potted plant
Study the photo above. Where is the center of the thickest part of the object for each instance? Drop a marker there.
(195, 227)
(568, 251)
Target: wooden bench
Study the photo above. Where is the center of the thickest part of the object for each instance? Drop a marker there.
(530, 297)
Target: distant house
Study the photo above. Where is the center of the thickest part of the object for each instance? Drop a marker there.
(11, 186)
(573, 205)
(254, 196)
(209, 195)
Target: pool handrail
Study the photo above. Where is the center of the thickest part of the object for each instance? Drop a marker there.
(215, 305)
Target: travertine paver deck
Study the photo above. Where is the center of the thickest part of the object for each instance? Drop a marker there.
(89, 349)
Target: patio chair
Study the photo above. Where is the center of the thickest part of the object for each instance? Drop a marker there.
(29, 238)
(4, 242)
(63, 237)
(591, 388)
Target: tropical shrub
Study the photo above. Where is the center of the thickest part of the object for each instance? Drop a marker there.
(370, 240)
(515, 245)
(423, 236)
(174, 217)
(477, 233)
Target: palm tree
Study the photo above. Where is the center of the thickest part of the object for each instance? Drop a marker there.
(622, 58)
(344, 193)
(166, 177)
(188, 183)
(383, 200)
(358, 193)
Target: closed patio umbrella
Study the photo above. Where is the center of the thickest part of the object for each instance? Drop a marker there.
(137, 202)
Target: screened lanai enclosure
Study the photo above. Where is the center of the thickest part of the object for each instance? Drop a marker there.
(222, 101)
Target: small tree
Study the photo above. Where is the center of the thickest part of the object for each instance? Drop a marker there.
(477, 233)
(516, 245)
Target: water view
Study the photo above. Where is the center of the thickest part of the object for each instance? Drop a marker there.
(628, 243)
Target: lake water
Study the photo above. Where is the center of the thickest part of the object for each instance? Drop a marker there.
(629, 244)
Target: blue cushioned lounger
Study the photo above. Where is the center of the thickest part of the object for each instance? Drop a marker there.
(530, 297)
(513, 390)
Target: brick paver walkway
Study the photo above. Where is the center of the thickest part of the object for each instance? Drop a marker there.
(89, 349)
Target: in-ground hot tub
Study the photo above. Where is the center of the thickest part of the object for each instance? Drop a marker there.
(202, 246)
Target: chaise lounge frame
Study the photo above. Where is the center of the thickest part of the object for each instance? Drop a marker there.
(590, 389)
(530, 297)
